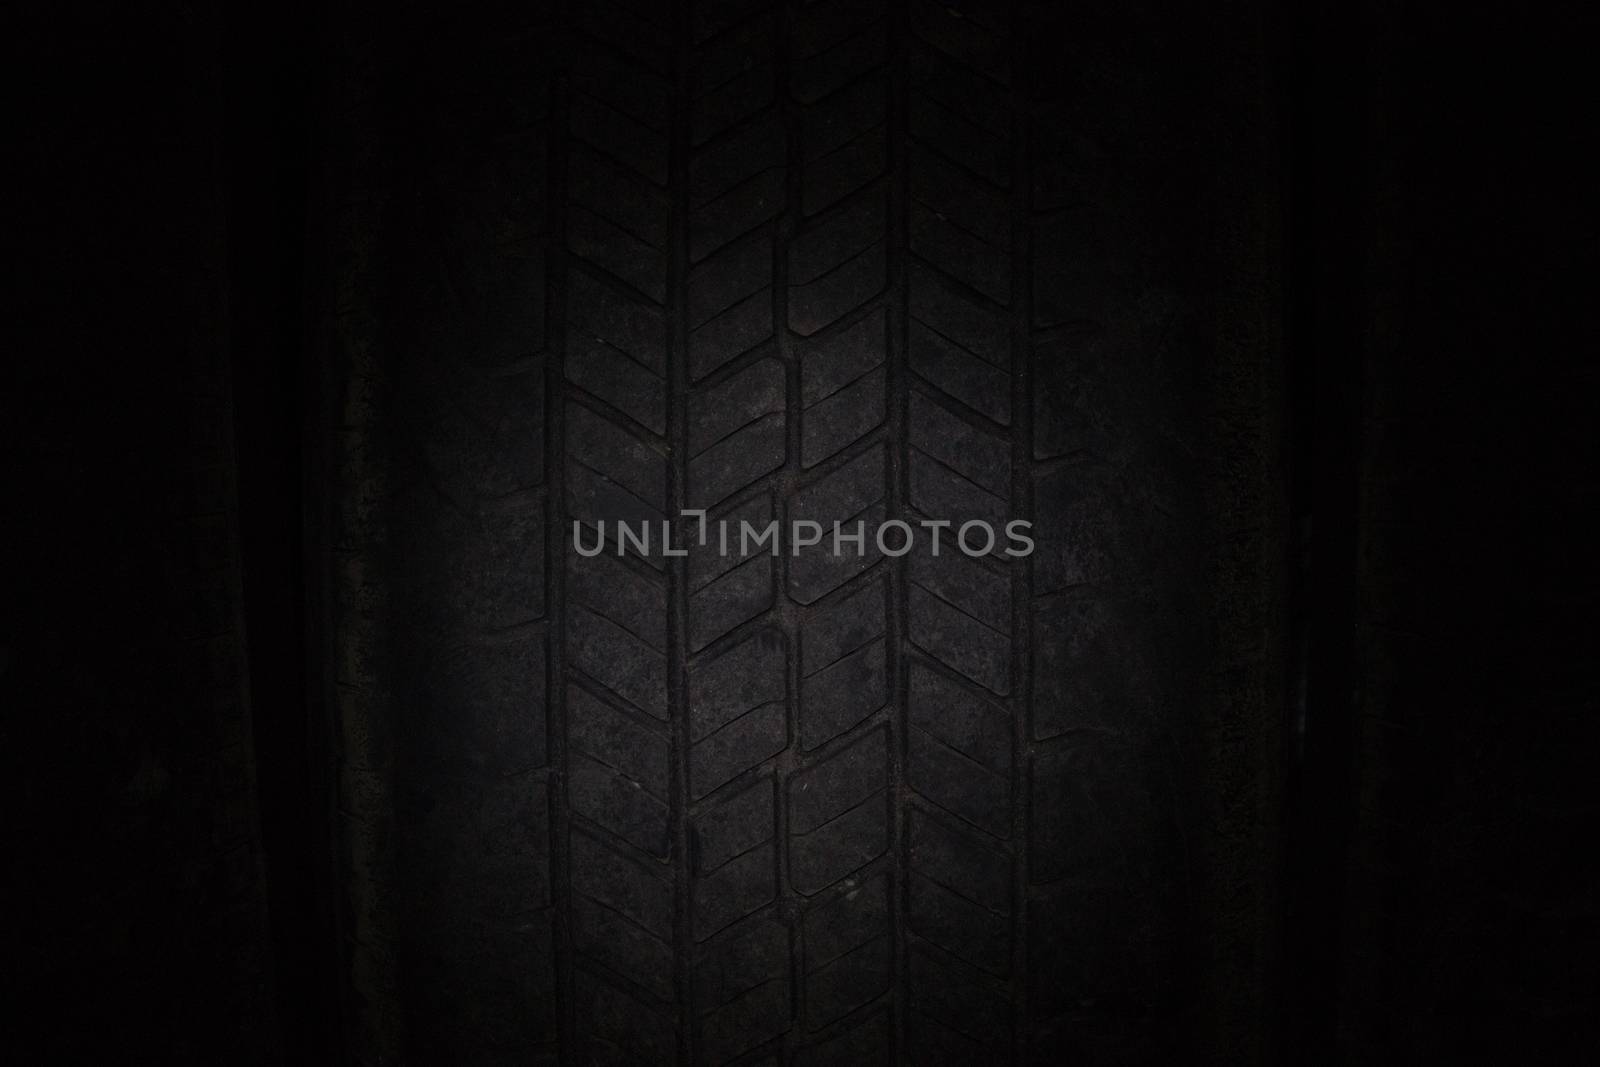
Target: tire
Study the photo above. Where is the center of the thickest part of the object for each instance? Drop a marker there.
(831, 262)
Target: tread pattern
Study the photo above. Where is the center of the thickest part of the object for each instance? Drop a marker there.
(959, 217)
(827, 261)
(618, 775)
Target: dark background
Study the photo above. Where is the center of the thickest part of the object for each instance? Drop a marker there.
(1405, 856)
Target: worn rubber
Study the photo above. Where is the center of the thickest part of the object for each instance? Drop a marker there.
(828, 261)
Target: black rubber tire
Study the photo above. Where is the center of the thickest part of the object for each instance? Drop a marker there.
(825, 261)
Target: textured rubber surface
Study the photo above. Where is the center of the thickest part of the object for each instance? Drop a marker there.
(833, 262)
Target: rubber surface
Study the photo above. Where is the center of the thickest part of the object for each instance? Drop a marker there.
(830, 262)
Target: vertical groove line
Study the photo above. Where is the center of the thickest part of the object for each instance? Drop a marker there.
(789, 614)
(896, 498)
(1021, 508)
(677, 473)
(360, 674)
(556, 557)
